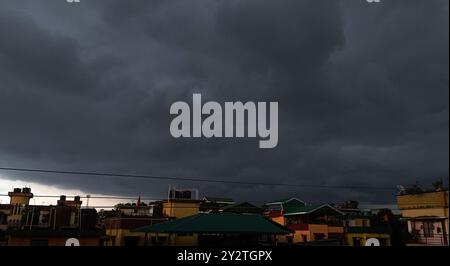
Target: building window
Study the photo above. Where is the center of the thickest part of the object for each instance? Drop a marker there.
(319, 236)
(428, 229)
(290, 239)
(356, 241)
(304, 238)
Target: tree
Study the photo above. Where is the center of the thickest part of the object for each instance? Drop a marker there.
(415, 189)
(351, 204)
(385, 218)
(438, 185)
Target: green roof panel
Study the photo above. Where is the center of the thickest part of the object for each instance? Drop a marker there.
(218, 223)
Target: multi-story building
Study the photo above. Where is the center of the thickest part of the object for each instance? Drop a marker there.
(426, 215)
(308, 222)
(119, 230)
(121, 224)
(358, 235)
(359, 227)
(19, 199)
(23, 224)
(181, 203)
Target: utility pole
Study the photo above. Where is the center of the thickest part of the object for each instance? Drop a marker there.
(32, 216)
(87, 200)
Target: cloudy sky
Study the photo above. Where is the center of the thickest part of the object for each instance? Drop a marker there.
(362, 89)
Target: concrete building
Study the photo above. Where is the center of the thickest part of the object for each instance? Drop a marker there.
(22, 224)
(19, 199)
(426, 214)
(307, 222)
(119, 230)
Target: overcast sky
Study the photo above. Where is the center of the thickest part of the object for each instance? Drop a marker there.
(362, 89)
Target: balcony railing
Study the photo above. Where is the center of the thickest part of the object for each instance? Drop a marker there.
(431, 240)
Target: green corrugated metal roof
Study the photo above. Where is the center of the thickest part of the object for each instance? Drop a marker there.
(243, 207)
(292, 205)
(218, 223)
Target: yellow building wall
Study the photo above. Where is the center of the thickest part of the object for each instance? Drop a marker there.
(424, 204)
(21, 200)
(365, 236)
(318, 229)
(298, 236)
(335, 229)
(179, 209)
(119, 234)
(361, 222)
(118, 238)
(439, 212)
(185, 240)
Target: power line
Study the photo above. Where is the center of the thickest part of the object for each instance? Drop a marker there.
(91, 197)
(187, 207)
(192, 179)
(161, 199)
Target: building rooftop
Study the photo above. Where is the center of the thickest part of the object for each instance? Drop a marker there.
(421, 192)
(296, 210)
(242, 207)
(219, 200)
(286, 200)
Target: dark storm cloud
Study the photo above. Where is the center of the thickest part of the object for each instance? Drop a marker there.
(37, 58)
(362, 89)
